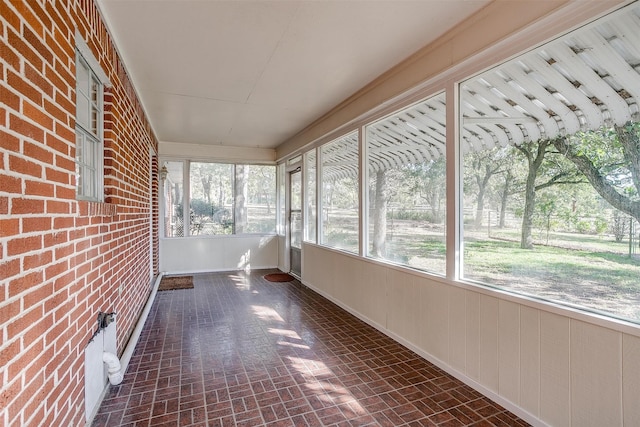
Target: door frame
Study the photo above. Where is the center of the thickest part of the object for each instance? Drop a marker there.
(289, 248)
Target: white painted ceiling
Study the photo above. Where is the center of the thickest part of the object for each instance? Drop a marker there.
(255, 73)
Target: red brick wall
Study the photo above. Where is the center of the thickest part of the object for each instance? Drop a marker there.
(61, 260)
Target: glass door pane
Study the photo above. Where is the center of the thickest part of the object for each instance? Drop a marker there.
(295, 222)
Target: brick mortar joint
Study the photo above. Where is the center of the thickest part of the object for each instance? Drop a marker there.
(91, 208)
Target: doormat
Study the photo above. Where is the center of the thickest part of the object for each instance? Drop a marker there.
(176, 282)
(279, 277)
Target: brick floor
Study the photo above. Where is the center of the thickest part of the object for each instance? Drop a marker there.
(240, 351)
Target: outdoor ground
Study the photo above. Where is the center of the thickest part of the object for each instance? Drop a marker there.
(595, 272)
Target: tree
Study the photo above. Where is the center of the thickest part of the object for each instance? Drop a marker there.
(380, 215)
(206, 187)
(480, 168)
(262, 188)
(610, 160)
(619, 226)
(510, 184)
(547, 208)
(241, 188)
(553, 170)
(427, 180)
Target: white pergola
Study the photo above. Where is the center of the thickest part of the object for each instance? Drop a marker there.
(583, 81)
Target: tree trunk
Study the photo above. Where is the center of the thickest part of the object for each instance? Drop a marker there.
(482, 180)
(534, 161)
(630, 141)
(206, 189)
(435, 208)
(380, 216)
(599, 182)
(504, 198)
(241, 190)
(220, 193)
(526, 241)
(480, 205)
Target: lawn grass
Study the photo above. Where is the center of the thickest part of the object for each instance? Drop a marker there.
(487, 259)
(586, 271)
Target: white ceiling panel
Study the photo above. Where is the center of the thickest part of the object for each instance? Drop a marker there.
(254, 73)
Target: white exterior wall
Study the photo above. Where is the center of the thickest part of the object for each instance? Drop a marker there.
(550, 365)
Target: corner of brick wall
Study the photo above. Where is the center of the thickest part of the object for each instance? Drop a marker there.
(63, 260)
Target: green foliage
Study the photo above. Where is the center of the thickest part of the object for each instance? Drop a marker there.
(411, 214)
(583, 227)
(433, 248)
(600, 224)
(605, 151)
(619, 226)
(202, 208)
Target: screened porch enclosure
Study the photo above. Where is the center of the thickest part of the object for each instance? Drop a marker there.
(550, 175)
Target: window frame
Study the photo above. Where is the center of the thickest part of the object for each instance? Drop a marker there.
(186, 198)
(367, 139)
(310, 219)
(91, 165)
(448, 81)
(90, 162)
(320, 176)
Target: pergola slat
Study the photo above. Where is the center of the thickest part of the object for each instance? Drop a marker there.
(532, 130)
(433, 129)
(591, 113)
(565, 117)
(628, 28)
(614, 64)
(583, 81)
(544, 119)
(591, 82)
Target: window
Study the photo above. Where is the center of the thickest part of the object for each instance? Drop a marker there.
(260, 182)
(310, 192)
(173, 196)
(222, 199)
(551, 189)
(282, 194)
(406, 194)
(340, 200)
(211, 201)
(89, 132)
(549, 166)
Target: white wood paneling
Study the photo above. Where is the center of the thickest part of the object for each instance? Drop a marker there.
(375, 294)
(596, 380)
(555, 392)
(457, 328)
(509, 350)
(282, 244)
(435, 319)
(548, 367)
(194, 254)
(473, 335)
(311, 264)
(489, 342)
(404, 306)
(345, 283)
(530, 360)
(631, 379)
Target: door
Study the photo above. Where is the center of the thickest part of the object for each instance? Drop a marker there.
(295, 223)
